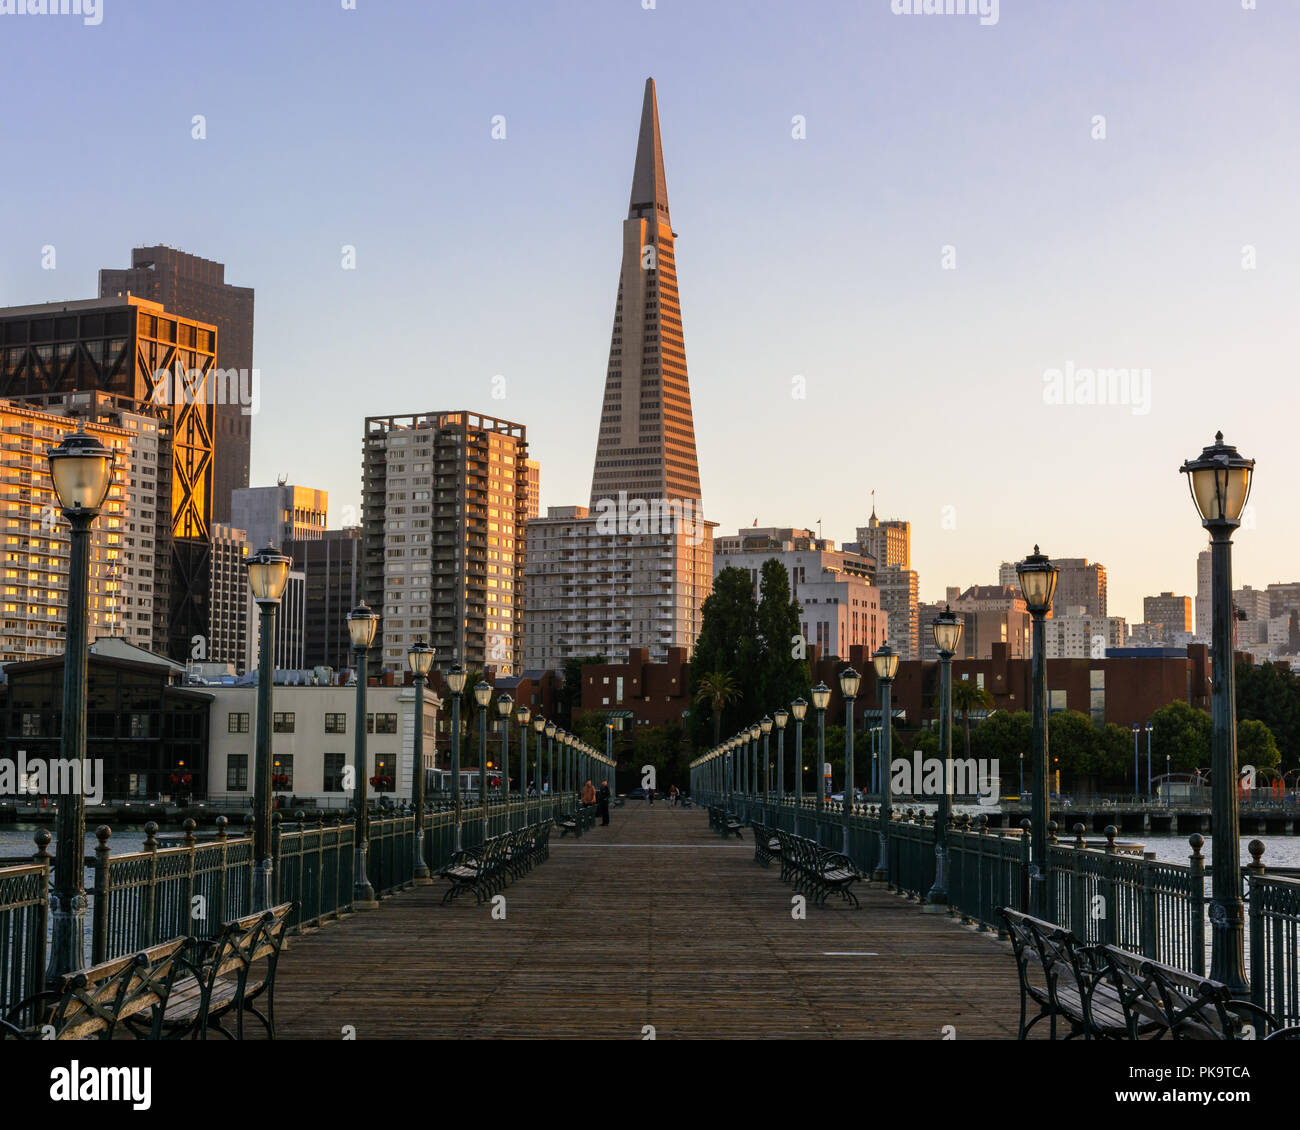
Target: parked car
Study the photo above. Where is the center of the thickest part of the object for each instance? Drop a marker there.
(636, 794)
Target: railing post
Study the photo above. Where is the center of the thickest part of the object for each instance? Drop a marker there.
(277, 876)
(1109, 907)
(1078, 906)
(99, 912)
(222, 896)
(190, 854)
(1197, 899)
(147, 902)
(1150, 942)
(1255, 894)
(1026, 840)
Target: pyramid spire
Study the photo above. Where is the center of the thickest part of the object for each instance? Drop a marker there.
(649, 186)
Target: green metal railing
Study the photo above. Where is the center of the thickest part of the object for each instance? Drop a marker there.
(24, 923)
(1274, 923)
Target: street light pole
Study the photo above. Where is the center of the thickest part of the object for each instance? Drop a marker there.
(821, 696)
(482, 696)
(504, 705)
(850, 680)
(361, 628)
(885, 662)
(1150, 794)
(779, 718)
(765, 725)
(1137, 789)
(1220, 481)
(1037, 577)
(82, 471)
(947, 634)
(798, 708)
(419, 657)
(456, 679)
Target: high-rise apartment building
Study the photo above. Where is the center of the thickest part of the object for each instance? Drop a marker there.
(1072, 632)
(275, 515)
(34, 575)
(890, 542)
(154, 364)
(444, 505)
(1080, 583)
(532, 507)
(991, 614)
(633, 569)
(1204, 596)
(333, 568)
(1283, 598)
(233, 613)
(196, 288)
(1166, 615)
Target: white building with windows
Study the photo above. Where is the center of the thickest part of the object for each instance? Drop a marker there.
(312, 739)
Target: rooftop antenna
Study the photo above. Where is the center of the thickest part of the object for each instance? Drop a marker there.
(281, 480)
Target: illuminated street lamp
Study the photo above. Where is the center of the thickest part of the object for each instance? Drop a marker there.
(821, 696)
(1038, 585)
(362, 622)
(419, 658)
(82, 470)
(456, 679)
(1220, 480)
(947, 634)
(798, 708)
(885, 661)
(850, 681)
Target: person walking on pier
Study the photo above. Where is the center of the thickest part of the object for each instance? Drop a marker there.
(602, 802)
(589, 793)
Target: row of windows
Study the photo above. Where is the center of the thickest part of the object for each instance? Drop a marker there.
(285, 722)
(282, 771)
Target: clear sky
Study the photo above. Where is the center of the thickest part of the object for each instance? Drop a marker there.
(821, 257)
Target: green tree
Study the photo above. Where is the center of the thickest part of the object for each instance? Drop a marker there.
(1002, 737)
(1256, 745)
(968, 695)
(728, 641)
(1181, 733)
(716, 690)
(1114, 757)
(783, 671)
(569, 696)
(1072, 743)
(1270, 694)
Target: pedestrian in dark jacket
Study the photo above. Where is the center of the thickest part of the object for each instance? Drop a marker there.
(602, 802)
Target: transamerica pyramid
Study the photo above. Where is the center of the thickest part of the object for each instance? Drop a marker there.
(646, 443)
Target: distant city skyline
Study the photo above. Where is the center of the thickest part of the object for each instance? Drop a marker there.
(906, 242)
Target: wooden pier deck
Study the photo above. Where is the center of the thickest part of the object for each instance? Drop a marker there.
(651, 921)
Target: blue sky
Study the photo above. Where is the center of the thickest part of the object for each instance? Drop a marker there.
(820, 257)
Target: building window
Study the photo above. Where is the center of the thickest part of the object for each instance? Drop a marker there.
(282, 771)
(237, 773)
(139, 725)
(336, 723)
(381, 723)
(282, 723)
(236, 723)
(334, 763)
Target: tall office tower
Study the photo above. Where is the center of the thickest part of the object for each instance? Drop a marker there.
(197, 288)
(333, 567)
(1204, 595)
(290, 626)
(1080, 583)
(444, 503)
(1072, 632)
(890, 543)
(899, 597)
(990, 614)
(275, 515)
(634, 568)
(1166, 616)
(154, 364)
(232, 611)
(34, 585)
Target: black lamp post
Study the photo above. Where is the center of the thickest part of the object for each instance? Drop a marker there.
(419, 657)
(798, 708)
(268, 572)
(482, 696)
(362, 622)
(885, 662)
(539, 728)
(821, 696)
(522, 714)
(82, 470)
(779, 719)
(947, 635)
(850, 681)
(765, 728)
(550, 759)
(456, 679)
(1038, 585)
(1220, 481)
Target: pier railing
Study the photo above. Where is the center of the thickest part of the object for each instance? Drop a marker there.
(1102, 891)
(24, 922)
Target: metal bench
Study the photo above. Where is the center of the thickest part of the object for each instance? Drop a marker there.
(92, 1003)
(485, 870)
(812, 869)
(767, 845)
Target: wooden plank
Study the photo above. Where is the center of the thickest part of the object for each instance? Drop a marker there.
(650, 921)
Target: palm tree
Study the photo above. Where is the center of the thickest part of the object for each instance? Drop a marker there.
(968, 695)
(716, 689)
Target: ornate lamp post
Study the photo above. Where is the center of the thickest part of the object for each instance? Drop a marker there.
(543, 783)
(1220, 481)
(419, 657)
(550, 758)
(522, 714)
(82, 470)
(885, 662)
(821, 696)
(483, 696)
(765, 728)
(754, 731)
(850, 681)
(947, 634)
(362, 622)
(268, 572)
(1150, 794)
(456, 679)
(504, 705)
(780, 718)
(1038, 584)
(798, 708)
